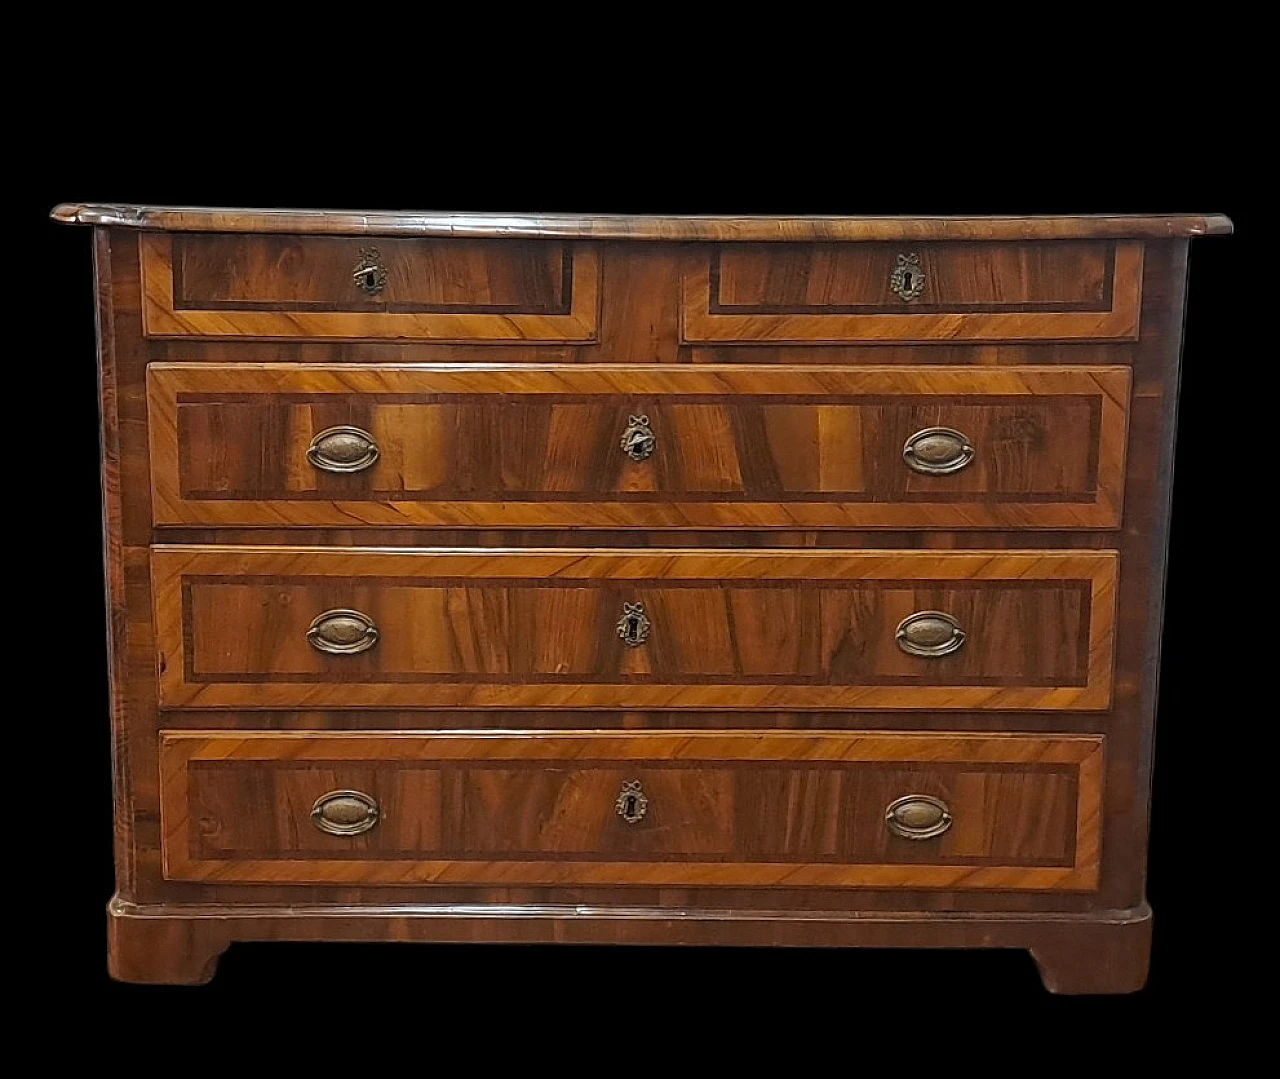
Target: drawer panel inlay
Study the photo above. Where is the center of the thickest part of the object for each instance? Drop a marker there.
(913, 292)
(717, 629)
(638, 447)
(614, 579)
(332, 286)
(819, 809)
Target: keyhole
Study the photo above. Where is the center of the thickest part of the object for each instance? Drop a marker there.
(629, 809)
(906, 281)
(633, 628)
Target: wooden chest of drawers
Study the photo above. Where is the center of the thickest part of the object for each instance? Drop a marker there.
(781, 581)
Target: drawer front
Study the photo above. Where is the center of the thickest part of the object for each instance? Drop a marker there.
(328, 627)
(877, 810)
(563, 446)
(368, 287)
(813, 293)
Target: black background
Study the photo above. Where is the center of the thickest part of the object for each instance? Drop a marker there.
(1200, 893)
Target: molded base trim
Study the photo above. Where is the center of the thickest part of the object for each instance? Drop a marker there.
(1099, 952)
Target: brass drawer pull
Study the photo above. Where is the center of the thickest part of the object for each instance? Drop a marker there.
(638, 440)
(342, 633)
(907, 279)
(930, 634)
(343, 449)
(370, 276)
(937, 451)
(344, 813)
(634, 625)
(632, 804)
(918, 816)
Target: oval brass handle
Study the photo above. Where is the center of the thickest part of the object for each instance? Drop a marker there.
(930, 634)
(632, 804)
(918, 816)
(638, 440)
(370, 276)
(907, 279)
(343, 449)
(937, 451)
(344, 812)
(342, 633)
(634, 625)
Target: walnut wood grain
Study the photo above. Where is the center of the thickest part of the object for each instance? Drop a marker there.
(114, 469)
(267, 287)
(821, 294)
(955, 278)
(641, 227)
(536, 628)
(167, 930)
(724, 808)
(1105, 951)
(539, 446)
(315, 273)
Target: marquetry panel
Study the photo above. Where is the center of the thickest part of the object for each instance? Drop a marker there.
(303, 286)
(722, 808)
(540, 628)
(977, 291)
(541, 446)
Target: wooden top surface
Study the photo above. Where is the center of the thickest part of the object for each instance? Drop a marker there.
(641, 227)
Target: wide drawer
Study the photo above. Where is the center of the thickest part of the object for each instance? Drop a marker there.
(196, 285)
(878, 810)
(616, 447)
(814, 293)
(286, 627)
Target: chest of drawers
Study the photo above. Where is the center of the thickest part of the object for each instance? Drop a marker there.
(707, 580)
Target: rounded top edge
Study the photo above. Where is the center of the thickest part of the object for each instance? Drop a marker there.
(668, 228)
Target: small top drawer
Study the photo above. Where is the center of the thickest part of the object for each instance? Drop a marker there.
(814, 293)
(368, 287)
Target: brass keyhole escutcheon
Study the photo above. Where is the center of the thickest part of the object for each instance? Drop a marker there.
(634, 625)
(907, 279)
(632, 803)
(370, 276)
(638, 440)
